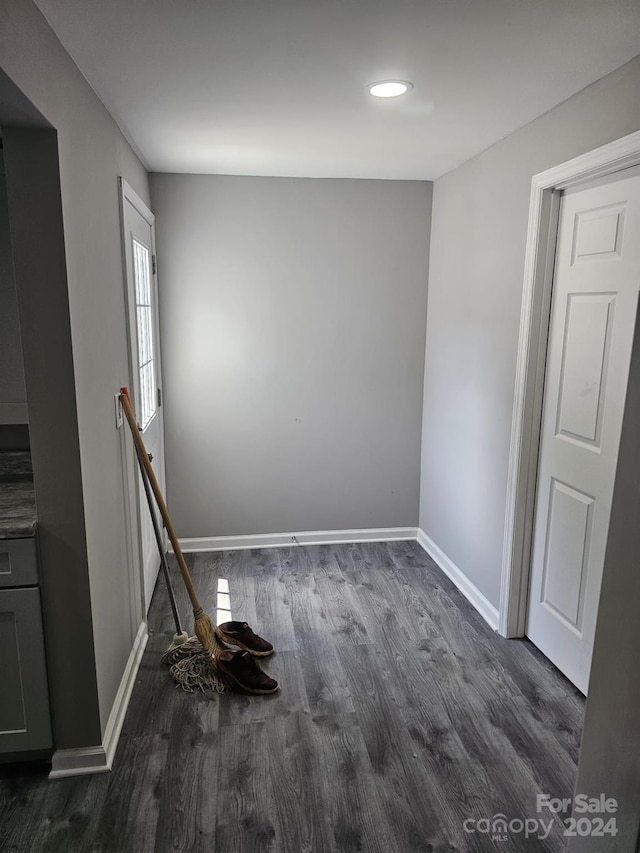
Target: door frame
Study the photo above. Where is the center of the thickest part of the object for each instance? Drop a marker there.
(526, 421)
(135, 498)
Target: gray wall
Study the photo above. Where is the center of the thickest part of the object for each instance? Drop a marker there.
(480, 214)
(32, 174)
(13, 395)
(293, 321)
(92, 154)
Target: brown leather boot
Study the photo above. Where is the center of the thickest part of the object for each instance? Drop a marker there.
(240, 634)
(242, 668)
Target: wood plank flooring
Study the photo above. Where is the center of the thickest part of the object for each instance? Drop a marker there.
(400, 716)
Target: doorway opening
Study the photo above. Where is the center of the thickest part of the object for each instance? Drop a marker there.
(547, 188)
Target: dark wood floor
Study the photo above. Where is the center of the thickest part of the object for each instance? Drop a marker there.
(400, 716)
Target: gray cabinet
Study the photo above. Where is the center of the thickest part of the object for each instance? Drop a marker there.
(18, 562)
(25, 723)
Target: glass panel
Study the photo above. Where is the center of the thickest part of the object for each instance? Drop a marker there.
(147, 394)
(144, 333)
(143, 279)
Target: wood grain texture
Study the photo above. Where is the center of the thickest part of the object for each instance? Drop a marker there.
(129, 819)
(400, 715)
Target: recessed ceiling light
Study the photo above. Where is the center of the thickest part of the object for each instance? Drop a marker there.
(389, 88)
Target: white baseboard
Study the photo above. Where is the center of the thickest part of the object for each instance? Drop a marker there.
(99, 759)
(313, 537)
(468, 589)
(78, 762)
(121, 702)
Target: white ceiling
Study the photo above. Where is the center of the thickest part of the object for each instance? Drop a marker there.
(277, 87)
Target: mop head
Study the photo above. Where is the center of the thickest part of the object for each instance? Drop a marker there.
(182, 646)
(196, 671)
(192, 660)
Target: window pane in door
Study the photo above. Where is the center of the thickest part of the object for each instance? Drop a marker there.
(144, 332)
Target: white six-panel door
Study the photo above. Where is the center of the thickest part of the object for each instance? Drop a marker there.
(594, 304)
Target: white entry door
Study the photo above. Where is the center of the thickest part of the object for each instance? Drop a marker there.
(594, 305)
(144, 345)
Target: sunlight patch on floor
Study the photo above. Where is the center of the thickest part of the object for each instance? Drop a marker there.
(223, 602)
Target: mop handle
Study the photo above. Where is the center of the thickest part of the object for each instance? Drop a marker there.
(160, 543)
(143, 456)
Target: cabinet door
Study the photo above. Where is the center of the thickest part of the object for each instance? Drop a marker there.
(24, 701)
(18, 562)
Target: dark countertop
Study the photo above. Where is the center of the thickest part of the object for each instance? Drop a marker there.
(18, 517)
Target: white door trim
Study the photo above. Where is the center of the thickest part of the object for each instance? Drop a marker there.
(532, 347)
(127, 192)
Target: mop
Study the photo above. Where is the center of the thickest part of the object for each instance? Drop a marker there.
(192, 660)
(182, 644)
